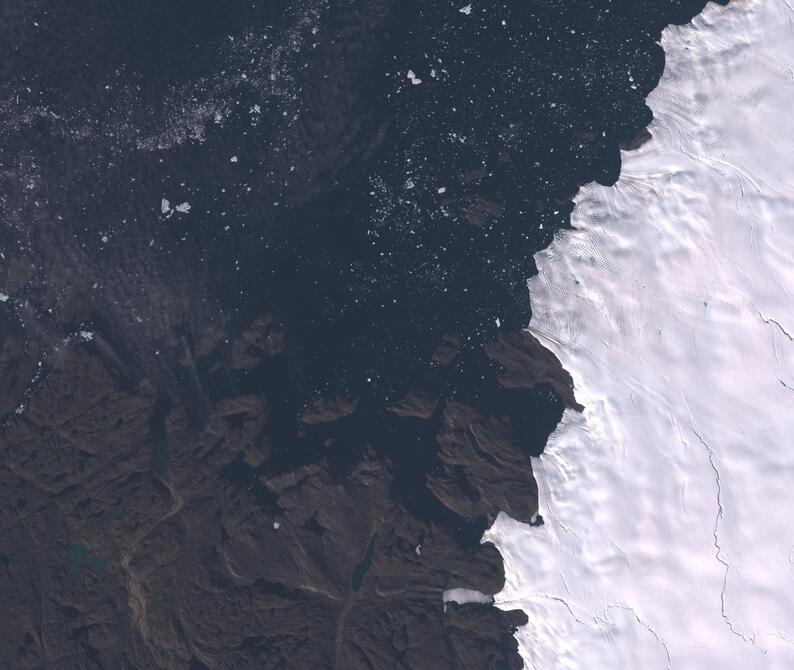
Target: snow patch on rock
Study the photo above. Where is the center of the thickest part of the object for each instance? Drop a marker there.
(463, 596)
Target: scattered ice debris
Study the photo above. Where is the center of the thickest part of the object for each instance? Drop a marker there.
(414, 79)
(105, 239)
(466, 9)
(86, 336)
(165, 208)
(4, 297)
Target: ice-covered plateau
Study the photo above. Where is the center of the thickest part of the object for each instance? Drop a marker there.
(669, 502)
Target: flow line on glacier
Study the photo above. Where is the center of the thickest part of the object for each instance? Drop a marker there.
(715, 532)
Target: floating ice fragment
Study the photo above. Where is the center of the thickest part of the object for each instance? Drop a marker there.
(466, 9)
(233, 159)
(184, 208)
(414, 79)
(165, 206)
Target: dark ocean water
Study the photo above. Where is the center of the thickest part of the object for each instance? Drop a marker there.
(367, 215)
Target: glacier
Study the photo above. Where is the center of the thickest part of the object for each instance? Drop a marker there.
(668, 503)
